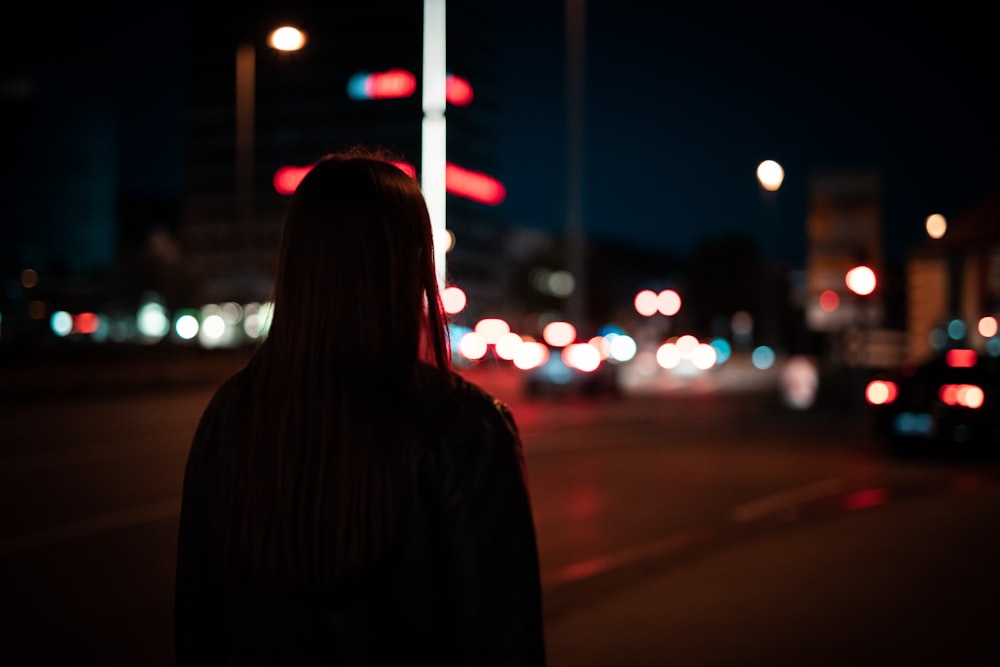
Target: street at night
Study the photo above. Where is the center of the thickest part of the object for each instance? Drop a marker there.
(704, 524)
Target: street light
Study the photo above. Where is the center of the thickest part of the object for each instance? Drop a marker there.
(936, 225)
(770, 174)
(861, 281)
(284, 38)
(287, 38)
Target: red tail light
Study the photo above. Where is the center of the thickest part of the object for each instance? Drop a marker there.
(959, 358)
(964, 395)
(881, 392)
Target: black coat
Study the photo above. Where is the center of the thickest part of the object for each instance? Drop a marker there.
(463, 588)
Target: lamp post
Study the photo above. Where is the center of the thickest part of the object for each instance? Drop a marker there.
(284, 38)
(433, 164)
(770, 176)
(861, 281)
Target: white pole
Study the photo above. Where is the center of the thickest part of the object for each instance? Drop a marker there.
(433, 139)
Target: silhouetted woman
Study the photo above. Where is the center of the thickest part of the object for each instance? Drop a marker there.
(348, 499)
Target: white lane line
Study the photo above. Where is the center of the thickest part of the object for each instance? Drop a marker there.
(133, 516)
(621, 558)
(784, 501)
(773, 504)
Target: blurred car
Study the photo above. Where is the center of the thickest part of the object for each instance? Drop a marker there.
(556, 378)
(949, 406)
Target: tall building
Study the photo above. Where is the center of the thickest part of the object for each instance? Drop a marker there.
(285, 109)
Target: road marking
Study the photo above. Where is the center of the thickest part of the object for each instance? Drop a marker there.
(784, 501)
(648, 551)
(773, 504)
(133, 516)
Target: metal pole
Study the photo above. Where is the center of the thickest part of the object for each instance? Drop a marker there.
(433, 163)
(245, 85)
(576, 248)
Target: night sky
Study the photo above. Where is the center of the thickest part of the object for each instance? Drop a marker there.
(681, 105)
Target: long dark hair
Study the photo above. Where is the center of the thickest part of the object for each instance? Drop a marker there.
(314, 477)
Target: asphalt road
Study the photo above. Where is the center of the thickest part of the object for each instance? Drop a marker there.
(684, 528)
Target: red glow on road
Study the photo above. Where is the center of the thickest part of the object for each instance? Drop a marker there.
(860, 500)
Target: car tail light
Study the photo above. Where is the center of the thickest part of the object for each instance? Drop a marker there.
(964, 395)
(959, 358)
(881, 392)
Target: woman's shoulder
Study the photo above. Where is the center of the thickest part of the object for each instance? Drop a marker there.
(454, 393)
(223, 404)
(471, 417)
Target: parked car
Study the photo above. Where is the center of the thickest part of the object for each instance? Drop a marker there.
(948, 406)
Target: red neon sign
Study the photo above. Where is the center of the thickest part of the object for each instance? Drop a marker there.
(458, 91)
(473, 185)
(391, 84)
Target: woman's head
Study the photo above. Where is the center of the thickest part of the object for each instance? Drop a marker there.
(356, 282)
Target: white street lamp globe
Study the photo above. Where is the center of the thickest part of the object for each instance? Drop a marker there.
(770, 174)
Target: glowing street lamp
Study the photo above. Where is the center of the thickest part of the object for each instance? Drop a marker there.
(861, 280)
(285, 38)
(936, 225)
(770, 174)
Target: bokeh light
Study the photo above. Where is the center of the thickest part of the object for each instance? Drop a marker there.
(491, 328)
(507, 344)
(61, 323)
(453, 299)
(152, 320)
(620, 347)
(582, 356)
(29, 278)
(668, 302)
(770, 174)
(936, 225)
(668, 356)
(881, 392)
(987, 326)
(703, 356)
(646, 303)
(287, 38)
(829, 300)
(723, 350)
(473, 346)
(559, 334)
(861, 280)
(186, 326)
(762, 357)
(530, 354)
(956, 329)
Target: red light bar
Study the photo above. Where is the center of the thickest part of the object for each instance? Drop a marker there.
(961, 358)
(391, 84)
(458, 91)
(473, 185)
(965, 395)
